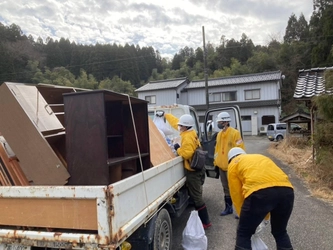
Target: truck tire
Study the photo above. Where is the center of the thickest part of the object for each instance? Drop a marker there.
(163, 231)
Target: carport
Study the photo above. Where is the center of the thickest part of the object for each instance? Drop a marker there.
(298, 118)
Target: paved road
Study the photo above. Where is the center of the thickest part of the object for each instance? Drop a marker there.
(310, 226)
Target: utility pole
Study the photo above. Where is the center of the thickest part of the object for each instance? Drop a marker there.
(205, 65)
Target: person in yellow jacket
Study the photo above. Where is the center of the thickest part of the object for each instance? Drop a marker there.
(188, 144)
(258, 188)
(226, 139)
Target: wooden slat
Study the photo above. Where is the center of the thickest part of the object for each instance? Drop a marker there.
(49, 213)
(12, 168)
(159, 150)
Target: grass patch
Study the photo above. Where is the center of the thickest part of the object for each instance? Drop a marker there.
(297, 153)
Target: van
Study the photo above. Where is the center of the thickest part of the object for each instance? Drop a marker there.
(276, 131)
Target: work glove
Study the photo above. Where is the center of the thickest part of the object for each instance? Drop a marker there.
(160, 113)
(176, 146)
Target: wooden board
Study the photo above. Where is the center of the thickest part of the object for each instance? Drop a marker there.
(11, 172)
(49, 213)
(159, 149)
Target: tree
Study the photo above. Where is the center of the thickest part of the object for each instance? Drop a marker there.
(176, 61)
(31, 70)
(246, 49)
(291, 30)
(324, 102)
(57, 76)
(54, 55)
(236, 68)
(118, 85)
(261, 62)
(321, 33)
(86, 81)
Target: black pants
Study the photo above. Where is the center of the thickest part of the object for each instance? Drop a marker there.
(194, 181)
(279, 202)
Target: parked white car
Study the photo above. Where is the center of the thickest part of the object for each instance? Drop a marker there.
(276, 131)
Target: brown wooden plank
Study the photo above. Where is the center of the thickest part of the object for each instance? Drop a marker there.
(13, 169)
(49, 213)
(159, 150)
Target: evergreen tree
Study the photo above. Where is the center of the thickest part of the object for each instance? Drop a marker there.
(291, 30)
(321, 33)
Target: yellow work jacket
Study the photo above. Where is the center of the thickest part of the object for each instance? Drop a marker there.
(188, 141)
(225, 141)
(248, 173)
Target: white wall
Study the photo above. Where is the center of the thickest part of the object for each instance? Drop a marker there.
(163, 97)
(268, 91)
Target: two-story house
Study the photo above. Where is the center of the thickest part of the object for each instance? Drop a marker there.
(257, 95)
(164, 92)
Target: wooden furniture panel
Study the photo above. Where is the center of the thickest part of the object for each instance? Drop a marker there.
(10, 170)
(159, 150)
(36, 107)
(38, 161)
(86, 139)
(49, 213)
(100, 137)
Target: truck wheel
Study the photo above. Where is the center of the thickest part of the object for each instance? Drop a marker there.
(163, 231)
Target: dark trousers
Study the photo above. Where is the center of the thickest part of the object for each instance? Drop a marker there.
(279, 202)
(194, 181)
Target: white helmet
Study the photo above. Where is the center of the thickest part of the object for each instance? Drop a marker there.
(234, 152)
(223, 117)
(186, 120)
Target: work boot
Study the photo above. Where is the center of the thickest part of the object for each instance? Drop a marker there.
(228, 206)
(204, 217)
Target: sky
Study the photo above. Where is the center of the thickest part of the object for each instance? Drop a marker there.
(166, 25)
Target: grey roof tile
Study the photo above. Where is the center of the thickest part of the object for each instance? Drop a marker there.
(239, 79)
(311, 83)
(163, 84)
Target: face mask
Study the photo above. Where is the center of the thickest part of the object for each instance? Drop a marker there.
(220, 125)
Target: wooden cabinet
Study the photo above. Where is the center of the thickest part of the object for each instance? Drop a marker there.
(107, 137)
(31, 128)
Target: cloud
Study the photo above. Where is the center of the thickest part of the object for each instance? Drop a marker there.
(167, 26)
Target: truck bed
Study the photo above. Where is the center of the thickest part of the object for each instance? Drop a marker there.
(86, 216)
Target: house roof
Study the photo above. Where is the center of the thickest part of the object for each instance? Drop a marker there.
(311, 83)
(239, 79)
(248, 104)
(297, 117)
(163, 84)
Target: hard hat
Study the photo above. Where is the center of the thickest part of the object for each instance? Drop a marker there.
(186, 120)
(223, 117)
(234, 152)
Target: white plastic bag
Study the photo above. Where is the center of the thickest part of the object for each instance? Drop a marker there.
(161, 125)
(257, 243)
(194, 237)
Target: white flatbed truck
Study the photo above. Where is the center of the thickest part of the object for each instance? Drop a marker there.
(136, 209)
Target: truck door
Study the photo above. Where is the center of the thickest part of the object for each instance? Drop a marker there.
(210, 133)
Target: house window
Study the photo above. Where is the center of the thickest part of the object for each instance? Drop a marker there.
(151, 99)
(252, 94)
(246, 118)
(267, 119)
(229, 96)
(214, 97)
